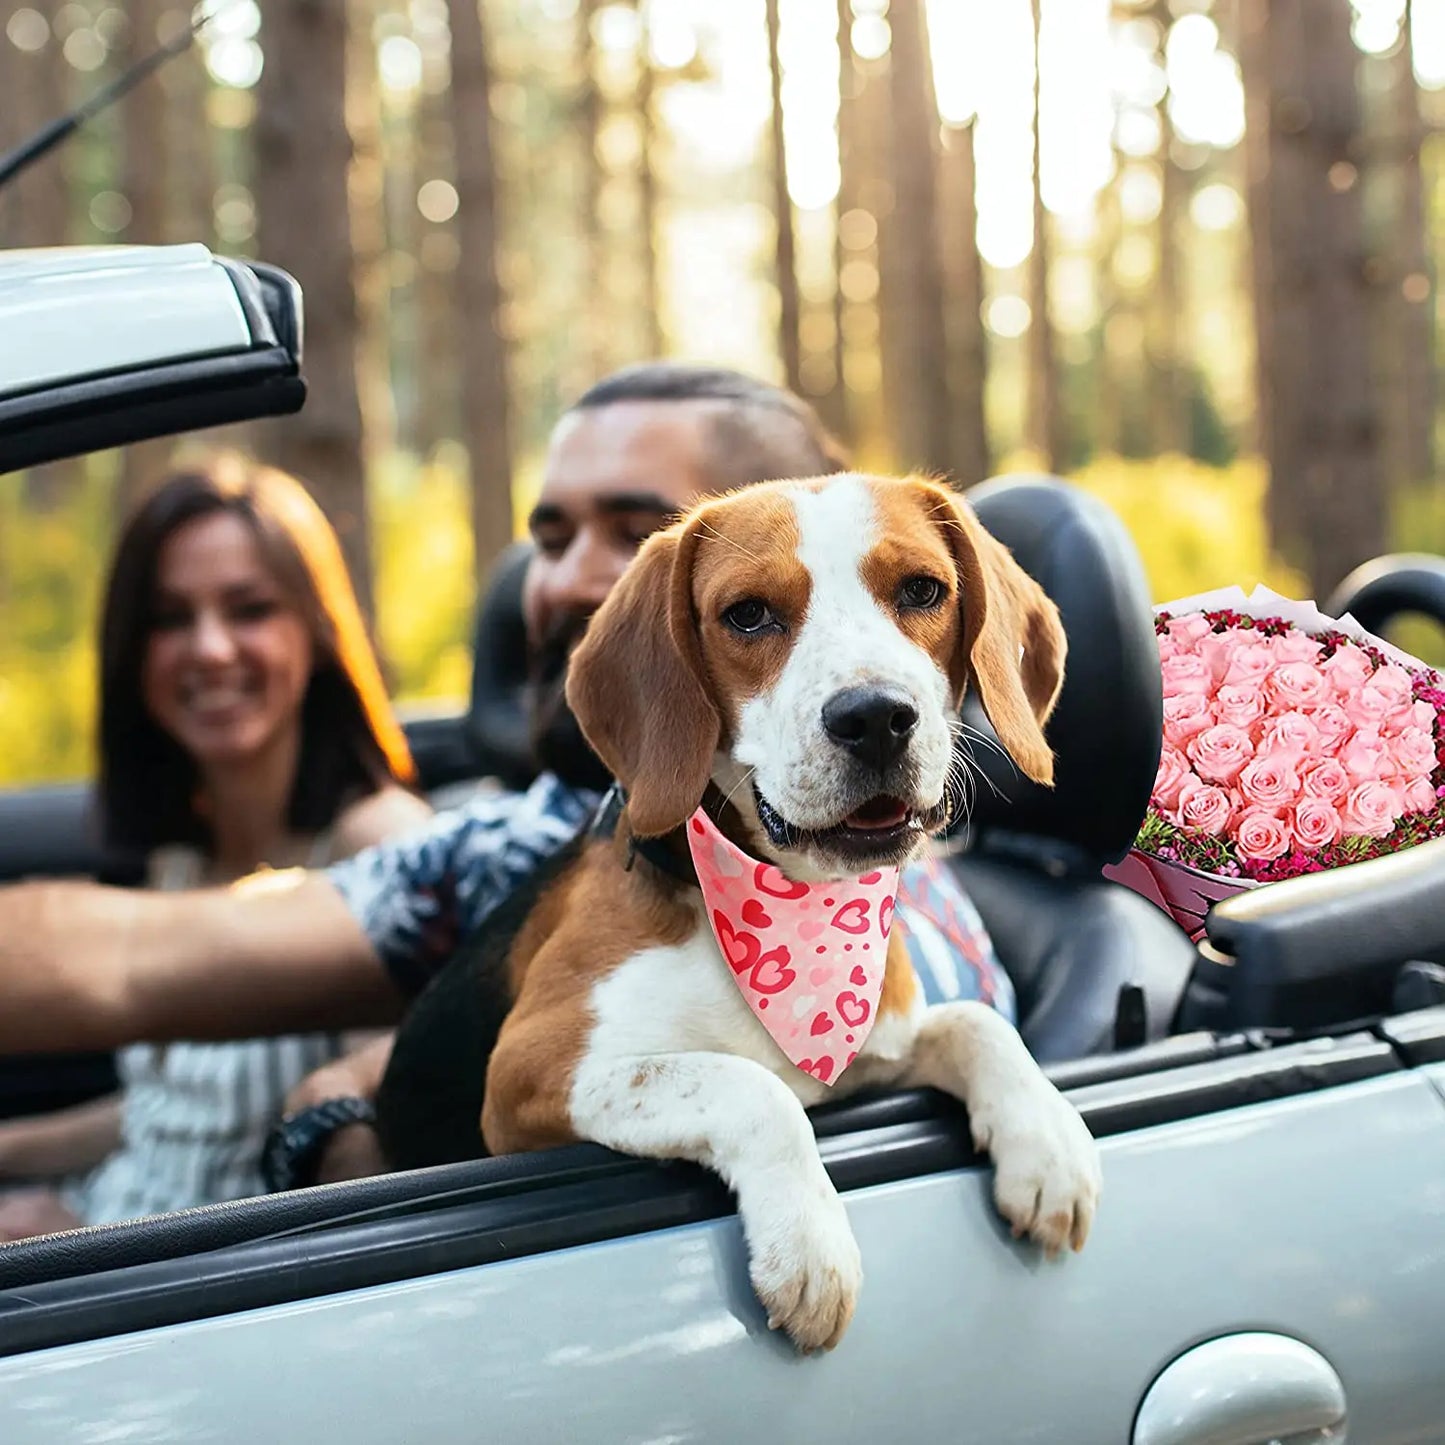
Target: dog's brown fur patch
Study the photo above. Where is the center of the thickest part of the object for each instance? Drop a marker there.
(900, 990)
(594, 919)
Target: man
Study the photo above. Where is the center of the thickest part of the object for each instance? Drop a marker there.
(86, 967)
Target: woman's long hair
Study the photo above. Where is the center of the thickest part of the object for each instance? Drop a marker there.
(351, 742)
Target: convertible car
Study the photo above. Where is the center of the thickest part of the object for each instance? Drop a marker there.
(1269, 1261)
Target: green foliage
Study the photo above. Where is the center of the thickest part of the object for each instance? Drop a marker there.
(52, 566)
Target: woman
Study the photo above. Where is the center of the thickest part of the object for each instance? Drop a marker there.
(243, 725)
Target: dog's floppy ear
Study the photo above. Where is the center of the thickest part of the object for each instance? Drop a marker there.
(1005, 612)
(636, 686)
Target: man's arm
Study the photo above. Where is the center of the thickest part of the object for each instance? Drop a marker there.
(86, 967)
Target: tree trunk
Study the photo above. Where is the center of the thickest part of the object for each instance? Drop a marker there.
(654, 343)
(41, 201)
(1321, 420)
(1044, 421)
(963, 286)
(1169, 402)
(35, 206)
(438, 343)
(1413, 276)
(594, 270)
(834, 405)
(366, 205)
(785, 257)
(914, 340)
(190, 145)
(485, 401)
(1108, 392)
(146, 179)
(303, 150)
(15, 84)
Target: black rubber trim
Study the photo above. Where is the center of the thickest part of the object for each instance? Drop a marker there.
(252, 297)
(216, 1261)
(123, 407)
(1419, 1037)
(1125, 1104)
(284, 304)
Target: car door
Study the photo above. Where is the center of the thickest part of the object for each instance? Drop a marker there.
(1270, 1203)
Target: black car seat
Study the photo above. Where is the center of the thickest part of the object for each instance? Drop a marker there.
(496, 724)
(1074, 943)
(1094, 965)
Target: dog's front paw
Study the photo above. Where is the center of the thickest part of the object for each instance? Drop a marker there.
(806, 1268)
(1047, 1178)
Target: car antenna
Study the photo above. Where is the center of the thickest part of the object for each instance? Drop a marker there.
(46, 139)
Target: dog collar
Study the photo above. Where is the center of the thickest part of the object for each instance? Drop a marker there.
(808, 958)
(654, 850)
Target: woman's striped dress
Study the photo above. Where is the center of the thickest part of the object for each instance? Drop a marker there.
(195, 1115)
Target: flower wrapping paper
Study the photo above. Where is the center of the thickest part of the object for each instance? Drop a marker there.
(1294, 742)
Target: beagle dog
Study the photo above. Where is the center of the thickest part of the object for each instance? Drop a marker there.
(789, 658)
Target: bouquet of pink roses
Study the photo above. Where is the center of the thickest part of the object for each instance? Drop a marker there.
(1293, 742)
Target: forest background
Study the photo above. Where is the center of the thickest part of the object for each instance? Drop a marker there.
(1182, 251)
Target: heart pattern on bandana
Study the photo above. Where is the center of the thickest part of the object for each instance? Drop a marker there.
(755, 915)
(808, 958)
(771, 973)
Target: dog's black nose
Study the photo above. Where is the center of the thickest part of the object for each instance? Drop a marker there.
(873, 723)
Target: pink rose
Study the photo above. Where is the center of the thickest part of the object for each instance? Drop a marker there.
(1184, 716)
(1298, 684)
(1332, 726)
(1219, 752)
(1187, 631)
(1327, 780)
(1250, 665)
(1219, 647)
(1269, 783)
(1413, 752)
(1172, 775)
(1364, 708)
(1241, 707)
(1291, 735)
(1401, 718)
(1185, 673)
(1167, 648)
(1295, 647)
(1418, 796)
(1371, 809)
(1422, 716)
(1366, 756)
(1315, 824)
(1204, 809)
(1260, 837)
(1348, 668)
(1394, 682)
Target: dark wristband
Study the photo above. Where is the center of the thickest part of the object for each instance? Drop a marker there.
(293, 1148)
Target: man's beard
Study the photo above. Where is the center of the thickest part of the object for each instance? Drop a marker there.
(557, 741)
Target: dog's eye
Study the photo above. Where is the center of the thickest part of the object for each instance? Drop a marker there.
(920, 593)
(749, 615)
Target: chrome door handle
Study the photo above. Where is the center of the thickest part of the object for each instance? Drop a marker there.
(1245, 1389)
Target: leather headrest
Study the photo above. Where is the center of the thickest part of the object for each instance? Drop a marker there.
(1107, 728)
(497, 717)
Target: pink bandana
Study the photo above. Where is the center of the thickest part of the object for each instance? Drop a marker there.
(808, 957)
